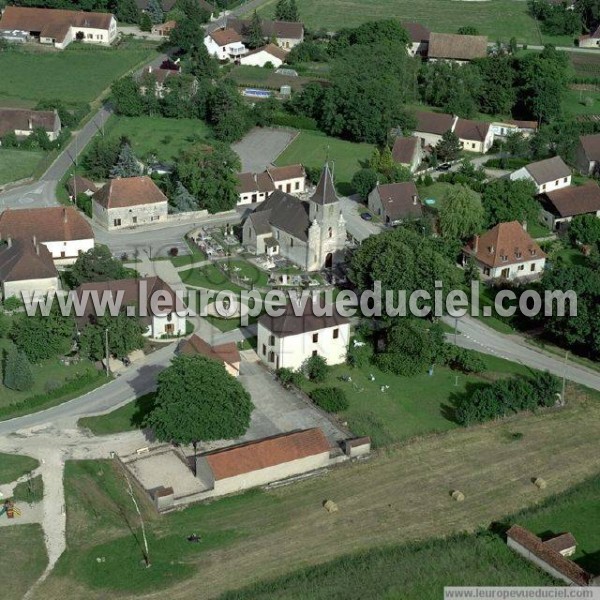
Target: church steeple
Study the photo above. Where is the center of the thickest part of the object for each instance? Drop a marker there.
(325, 192)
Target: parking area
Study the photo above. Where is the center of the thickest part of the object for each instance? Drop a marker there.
(272, 142)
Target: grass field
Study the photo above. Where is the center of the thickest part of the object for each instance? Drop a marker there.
(17, 164)
(29, 491)
(247, 76)
(76, 74)
(126, 418)
(22, 559)
(208, 277)
(401, 495)
(498, 19)
(311, 148)
(13, 466)
(411, 406)
(162, 137)
(577, 102)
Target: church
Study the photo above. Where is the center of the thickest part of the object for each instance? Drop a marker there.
(310, 233)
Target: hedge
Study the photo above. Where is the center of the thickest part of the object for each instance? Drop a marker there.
(330, 399)
(295, 121)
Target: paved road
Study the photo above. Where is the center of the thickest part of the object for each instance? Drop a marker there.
(357, 227)
(477, 336)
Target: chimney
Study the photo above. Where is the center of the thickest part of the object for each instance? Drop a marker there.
(476, 244)
(150, 69)
(30, 123)
(9, 241)
(415, 198)
(37, 249)
(34, 240)
(524, 224)
(65, 216)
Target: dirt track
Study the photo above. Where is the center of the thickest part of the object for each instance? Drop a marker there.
(399, 495)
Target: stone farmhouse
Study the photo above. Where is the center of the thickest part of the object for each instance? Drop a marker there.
(590, 40)
(227, 354)
(129, 202)
(154, 301)
(550, 555)
(80, 185)
(419, 38)
(290, 339)
(26, 268)
(271, 53)
(548, 175)
(452, 47)
(395, 202)
(559, 207)
(407, 152)
(587, 154)
(64, 231)
(60, 27)
(264, 461)
(474, 136)
(22, 122)
(225, 44)
(310, 233)
(506, 251)
(286, 34)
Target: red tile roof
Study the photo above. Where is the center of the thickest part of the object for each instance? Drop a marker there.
(591, 146)
(551, 557)
(405, 149)
(21, 261)
(223, 37)
(400, 200)
(472, 130)
(507, 240)
(271, 49)
(49, 22)
(574, 200)
(17, 119)
(227, 353)
(431, 122)
(54, 224)
(129, 191)
(268, 452)
(416, 32)
(254, 182)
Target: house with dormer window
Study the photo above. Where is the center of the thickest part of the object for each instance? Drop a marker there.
(506, 251)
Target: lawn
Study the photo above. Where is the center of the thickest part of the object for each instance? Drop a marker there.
(127, 418)
(400, 496)
(437, 191)
(248, 272)
(195, 255)
(498, 19)
(247, 76)
(77, 74)
(162, 137)
(579, 102)
(22, 559)
(13, 466)
(17, 164)
(312, 148)
(30, 491)
(411, 406)
(209, 277)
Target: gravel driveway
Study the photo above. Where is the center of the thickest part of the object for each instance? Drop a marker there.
(261, 147)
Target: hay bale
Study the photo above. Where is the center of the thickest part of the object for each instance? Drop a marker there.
(330, 506)
(540, 483)
(458, 495)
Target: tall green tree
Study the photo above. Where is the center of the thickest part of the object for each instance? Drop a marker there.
(461, 213)
(210, 175)
(17, 371)
(504, 200)
(97, 264)
(254, 35)
(127, 164)
(155, 11)
(448, 148)
(101, 156)
(182, 200)
(227, 113)
(186, 35)
(497, 93)
(127, 11)
(201, 63)
(197, 400)
(41, 337)
(125, 334)
(126, 97)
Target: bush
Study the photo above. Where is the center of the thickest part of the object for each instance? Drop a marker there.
(330, 399)
(174, 251)
(462, 359)
(315, 368)
(288, 377)
(427, 180)
(295, 121)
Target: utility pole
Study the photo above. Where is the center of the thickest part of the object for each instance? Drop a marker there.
(107, 354)
(564, 381)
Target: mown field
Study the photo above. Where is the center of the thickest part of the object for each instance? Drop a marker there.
(13, 466)
(312, 148)
(401, 495)
(164, 138)
(76, 74)
(18, 164)
(498, 19)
